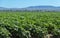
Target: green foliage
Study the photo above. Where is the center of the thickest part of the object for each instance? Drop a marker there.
(29, 24)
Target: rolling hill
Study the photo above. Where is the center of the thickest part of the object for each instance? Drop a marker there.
(33, 8)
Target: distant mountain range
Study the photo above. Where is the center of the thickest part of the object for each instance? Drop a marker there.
(34, 8)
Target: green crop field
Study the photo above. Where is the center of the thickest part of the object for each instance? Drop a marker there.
(29, 24)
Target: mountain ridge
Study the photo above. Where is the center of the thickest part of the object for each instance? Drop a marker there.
(32, 8)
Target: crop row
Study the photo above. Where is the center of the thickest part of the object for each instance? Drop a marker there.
(29, 25)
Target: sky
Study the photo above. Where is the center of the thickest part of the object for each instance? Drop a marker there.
(27, 3)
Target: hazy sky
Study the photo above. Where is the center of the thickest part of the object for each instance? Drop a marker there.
(26, 3)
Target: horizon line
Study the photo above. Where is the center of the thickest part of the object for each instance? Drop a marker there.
(30, 6)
